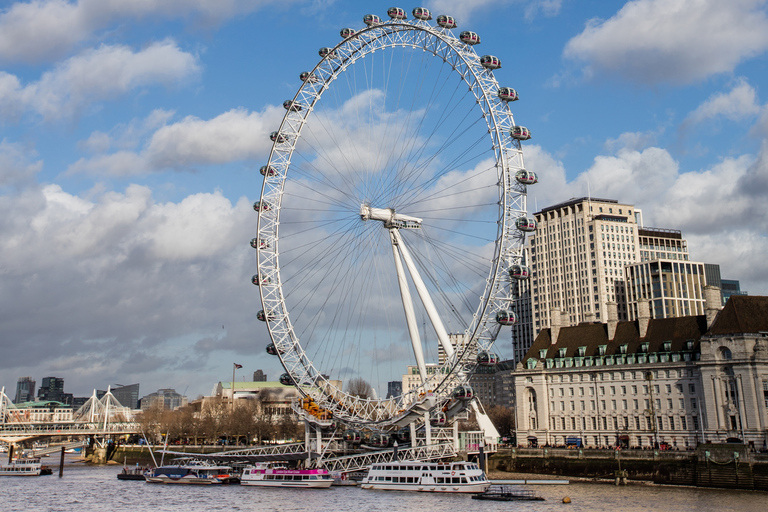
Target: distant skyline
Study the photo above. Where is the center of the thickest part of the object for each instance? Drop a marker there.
(132, 135)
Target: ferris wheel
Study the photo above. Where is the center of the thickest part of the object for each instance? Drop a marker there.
(397, 167)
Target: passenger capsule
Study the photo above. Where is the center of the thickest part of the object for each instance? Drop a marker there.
(277, 137)
(490, 62)
(520, 133)
(396, 13)
(519, 272)
(272, 350)
(306, 76)
(508, 94)
(526, 223)
(262, 206)
(352, 436)
(371, 20)
(422, 13)
(327, 52)
(264, 316)
(286, 380)
(257, 280)
(379, 440)
(446, 21)
(437, 419)
(526, 177)
(468, 37)
(255, 243)
(505, 317)
(291, 106)
(267, 170)
(347, 33)
(259, 243)
(486, 358)
(463, 393)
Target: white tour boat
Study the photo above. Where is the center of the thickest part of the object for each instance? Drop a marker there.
(193, 473)
(426, 477)
(267, 475)
(29, 466)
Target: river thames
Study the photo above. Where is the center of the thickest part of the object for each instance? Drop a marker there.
(97, 488)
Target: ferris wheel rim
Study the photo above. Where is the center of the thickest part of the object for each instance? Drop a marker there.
(483, 329)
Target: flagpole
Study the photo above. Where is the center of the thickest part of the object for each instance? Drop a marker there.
(234, 366)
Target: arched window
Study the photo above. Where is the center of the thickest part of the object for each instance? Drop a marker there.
(725, 354)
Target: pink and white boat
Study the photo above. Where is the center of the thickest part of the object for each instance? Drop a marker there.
(267, 475)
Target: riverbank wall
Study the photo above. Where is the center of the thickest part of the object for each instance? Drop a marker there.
(731, 466)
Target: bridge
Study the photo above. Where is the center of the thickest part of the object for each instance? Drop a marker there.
(98, 418)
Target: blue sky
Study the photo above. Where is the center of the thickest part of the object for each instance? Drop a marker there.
(132, 132)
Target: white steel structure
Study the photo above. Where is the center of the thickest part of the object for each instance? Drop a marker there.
(415, 136)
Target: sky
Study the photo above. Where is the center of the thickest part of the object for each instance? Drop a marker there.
(132, 132)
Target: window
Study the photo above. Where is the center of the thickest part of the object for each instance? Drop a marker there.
(691, 388)
(693, 403)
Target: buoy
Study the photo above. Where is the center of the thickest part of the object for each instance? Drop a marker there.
(566, 500)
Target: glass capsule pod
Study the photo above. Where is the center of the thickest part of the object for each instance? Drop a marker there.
(519, 272)
(526, 177)
(505, 317)
(261, 315)
(327, 52)
(379, 440)
(463, 393)
(272, 349)
(267, 170)
(403, 435)
(446, 21)
(262, 206)
(490, 62)
(438, 419)
(352, 436)
(259, 243)
(508, 94)
(520, 133)
(291, 106)
(422, 13)
(371, 20)
(257, 279)
(486, 358)
(277, 137)
(286, 380)
(396, 13)
(306, 76)
(346, 33)
(469, 37)
(527, 224)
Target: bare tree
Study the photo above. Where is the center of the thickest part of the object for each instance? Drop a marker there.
(503, 419)
(359, 387)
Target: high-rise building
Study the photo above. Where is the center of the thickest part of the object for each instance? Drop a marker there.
(672, 288)
(25, 390)
(167, 399)
(664, 244)
(394, 388)
(731, 287)
(259, 376)
(578, 254)
(128, 396)
(522, 330)
(52, 389)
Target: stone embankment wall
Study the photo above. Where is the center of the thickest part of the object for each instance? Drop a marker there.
(711, 465)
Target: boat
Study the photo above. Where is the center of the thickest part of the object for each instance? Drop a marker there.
(268, 475)
(133, 473)
(464, 477)
(191, 473)
(506, 493)
(24, 466)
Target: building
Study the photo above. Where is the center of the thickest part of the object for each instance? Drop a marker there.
(167, 399)
(412, 378)
(578, 254)
(651, 381)
(52, 390)
(731, 287)
(523, 329)
(661, 244)
(394, 388)
(25, 390)
(49, 411)
(457, 342)
(273, 398)
(672, 287)
(128, 396)
(259, 376)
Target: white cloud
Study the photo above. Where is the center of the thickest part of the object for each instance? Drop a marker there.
(232, 136)
(16, 169)
(678, 41)
(464, 10)
(96, 75)
(739, 103)
(46, 29)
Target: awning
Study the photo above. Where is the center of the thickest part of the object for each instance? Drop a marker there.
(532, 438)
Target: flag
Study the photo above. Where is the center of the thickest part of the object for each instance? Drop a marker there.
(238, 366)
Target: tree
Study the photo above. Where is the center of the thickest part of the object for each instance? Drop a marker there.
(359, 387)
(503, 419)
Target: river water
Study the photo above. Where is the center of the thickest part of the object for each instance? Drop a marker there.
(88, 488)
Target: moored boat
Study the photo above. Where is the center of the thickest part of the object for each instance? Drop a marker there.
(133, 473)
(26, 466)
(267, 475)
(193, 473)
(505, 493)
(464, 477)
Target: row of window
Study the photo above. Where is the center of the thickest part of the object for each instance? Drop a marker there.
(624, 404)
(644, 423)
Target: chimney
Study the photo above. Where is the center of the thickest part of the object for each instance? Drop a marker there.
(643, 316)
(555, 322)
(712, 303)
(613, 319)
(589, 318)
